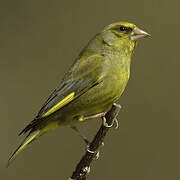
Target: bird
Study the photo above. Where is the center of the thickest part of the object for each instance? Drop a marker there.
(93, 83)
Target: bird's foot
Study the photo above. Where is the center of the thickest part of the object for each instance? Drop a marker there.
(93, 152)
(115, 122)
(105, 124)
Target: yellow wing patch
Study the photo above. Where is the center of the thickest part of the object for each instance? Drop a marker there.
(100, 78)
(68, 99)
(60, 104)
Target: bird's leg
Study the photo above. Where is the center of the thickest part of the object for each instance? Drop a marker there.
(84, 137)
(115, 121)
(85, 118)
(95, 116)
(81, 135)
(99, 115)
(86, 141)
(117, 105)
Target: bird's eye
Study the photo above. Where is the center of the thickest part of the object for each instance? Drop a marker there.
(123, 28)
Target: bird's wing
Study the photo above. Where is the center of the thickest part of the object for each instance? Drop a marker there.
(83, 75)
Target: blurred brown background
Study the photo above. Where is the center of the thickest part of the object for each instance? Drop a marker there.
(39, 41)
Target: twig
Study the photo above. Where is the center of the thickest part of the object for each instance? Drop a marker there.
(83, 167)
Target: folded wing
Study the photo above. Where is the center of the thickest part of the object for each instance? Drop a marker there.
(83, 75)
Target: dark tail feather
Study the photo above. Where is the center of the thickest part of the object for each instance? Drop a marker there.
(29, 138)
(30, 126)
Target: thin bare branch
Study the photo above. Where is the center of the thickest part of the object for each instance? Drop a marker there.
(83, 167)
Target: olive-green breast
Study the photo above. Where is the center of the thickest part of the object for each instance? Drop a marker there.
(100, 98)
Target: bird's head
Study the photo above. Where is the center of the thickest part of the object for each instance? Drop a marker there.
(126, 30)
(123, 35)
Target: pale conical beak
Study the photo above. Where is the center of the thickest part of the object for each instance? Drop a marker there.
(138, 34)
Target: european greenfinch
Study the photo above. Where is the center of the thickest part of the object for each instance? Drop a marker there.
(93, 83)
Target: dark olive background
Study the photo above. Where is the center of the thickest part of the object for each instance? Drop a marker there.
(39, 41)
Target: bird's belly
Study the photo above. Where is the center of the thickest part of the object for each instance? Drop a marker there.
(99, 98)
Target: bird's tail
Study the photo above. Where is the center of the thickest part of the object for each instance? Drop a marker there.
(29, 138)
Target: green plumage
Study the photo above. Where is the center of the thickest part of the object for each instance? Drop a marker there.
(94, 82)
